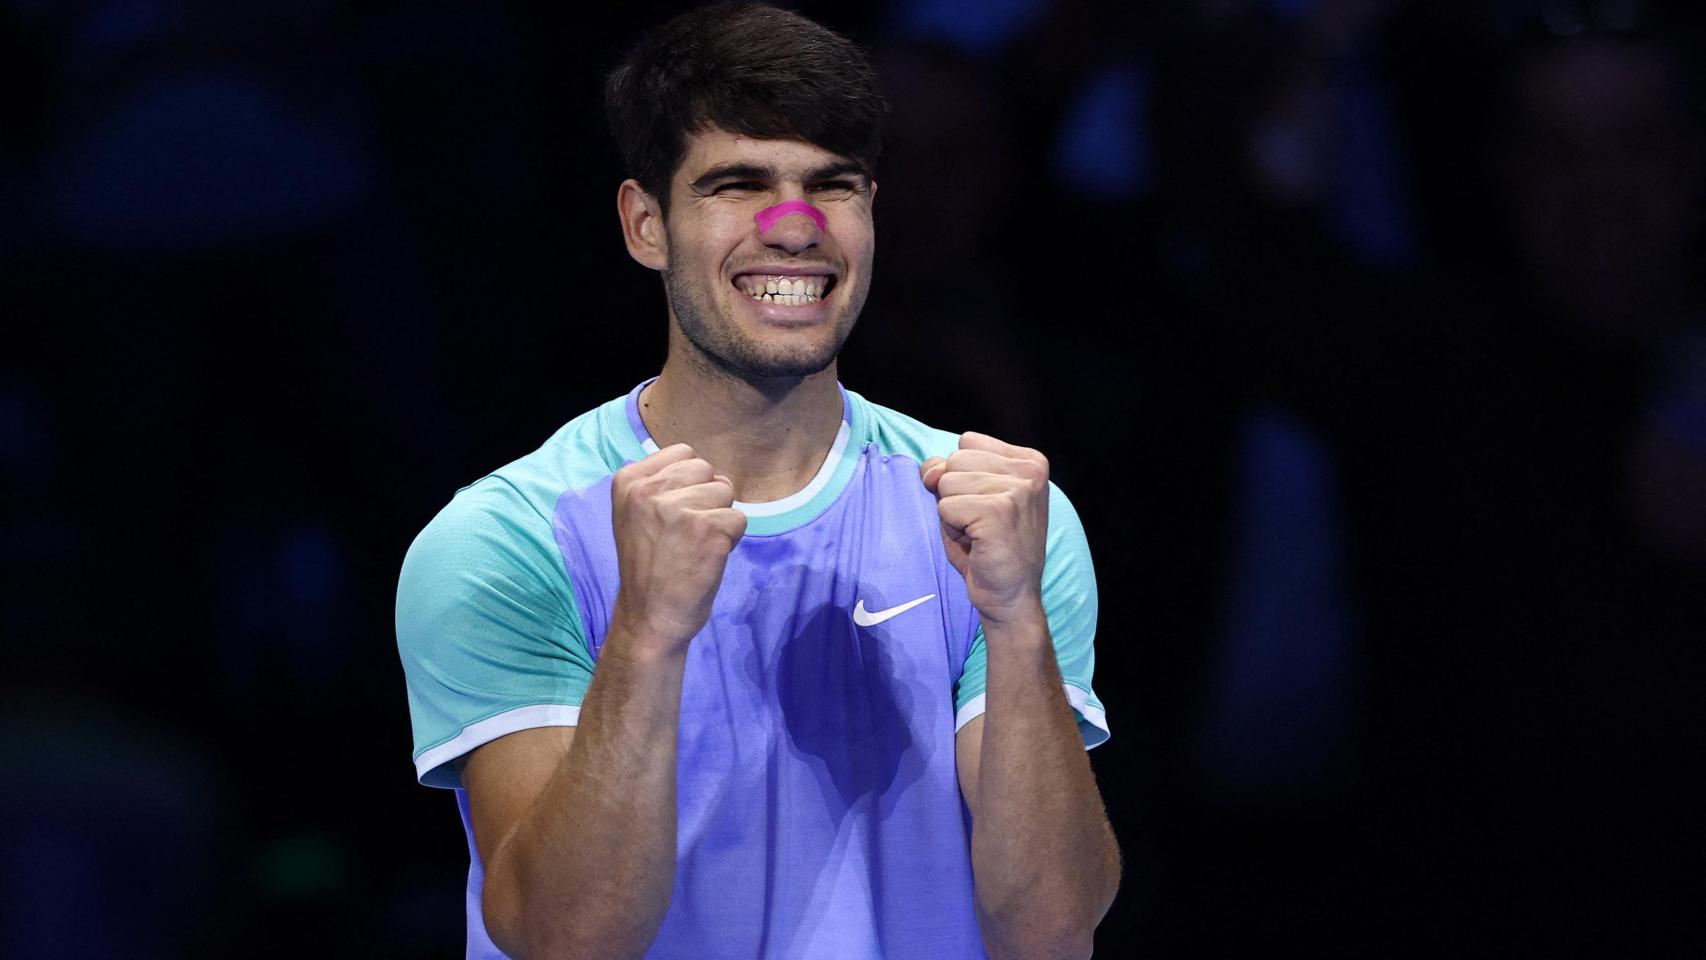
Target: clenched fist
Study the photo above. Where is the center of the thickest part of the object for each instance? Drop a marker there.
(675, 528)
(992, 498)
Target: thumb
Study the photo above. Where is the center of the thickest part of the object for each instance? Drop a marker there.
(931, 472)
(957, 545)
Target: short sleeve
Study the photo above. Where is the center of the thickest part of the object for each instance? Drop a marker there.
(1069, 600)
(487, 628)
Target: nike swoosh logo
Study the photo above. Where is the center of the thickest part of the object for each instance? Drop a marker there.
(866, 619)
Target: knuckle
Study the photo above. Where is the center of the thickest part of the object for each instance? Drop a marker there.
(736, 527)
(644, 488)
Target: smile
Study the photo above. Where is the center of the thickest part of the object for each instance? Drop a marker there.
(787, 291)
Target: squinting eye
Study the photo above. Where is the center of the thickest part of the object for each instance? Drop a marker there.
(740, 186)
(835, 186)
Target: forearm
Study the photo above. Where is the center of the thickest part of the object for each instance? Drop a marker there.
(588, 872)
(1043, 854)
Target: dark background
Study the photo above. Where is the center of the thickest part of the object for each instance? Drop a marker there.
(1366, 335)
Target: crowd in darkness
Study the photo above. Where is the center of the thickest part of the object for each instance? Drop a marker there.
(1367, 336)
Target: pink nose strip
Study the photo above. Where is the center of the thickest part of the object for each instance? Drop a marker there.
(767, 217)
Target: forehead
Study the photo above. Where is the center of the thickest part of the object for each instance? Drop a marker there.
(715, 147)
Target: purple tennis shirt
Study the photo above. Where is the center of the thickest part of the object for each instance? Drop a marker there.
(819, 810)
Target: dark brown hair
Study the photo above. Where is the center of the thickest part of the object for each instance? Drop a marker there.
(747, 68)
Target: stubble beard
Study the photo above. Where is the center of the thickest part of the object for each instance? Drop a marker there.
(723, 348)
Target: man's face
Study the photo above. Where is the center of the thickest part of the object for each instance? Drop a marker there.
(721, 263)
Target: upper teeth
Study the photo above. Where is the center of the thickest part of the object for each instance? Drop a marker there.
(791, 291)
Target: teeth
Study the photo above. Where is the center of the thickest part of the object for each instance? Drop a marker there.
(794, 291)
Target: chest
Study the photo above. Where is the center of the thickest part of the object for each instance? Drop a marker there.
(863, 584)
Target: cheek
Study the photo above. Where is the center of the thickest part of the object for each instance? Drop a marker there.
(711, 239)
(856, 239)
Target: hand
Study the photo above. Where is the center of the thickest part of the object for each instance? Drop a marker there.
(992, 498)
(675, 527)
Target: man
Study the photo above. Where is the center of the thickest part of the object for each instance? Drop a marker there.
(742, 664)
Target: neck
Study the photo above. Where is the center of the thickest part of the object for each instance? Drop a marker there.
(769, 438)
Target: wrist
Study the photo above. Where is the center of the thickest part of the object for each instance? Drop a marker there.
(638, 640)
(1022, 617)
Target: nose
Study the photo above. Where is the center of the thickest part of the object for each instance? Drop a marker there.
(792, 225)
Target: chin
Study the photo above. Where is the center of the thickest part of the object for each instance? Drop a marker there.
(774, 366)
(755, 348)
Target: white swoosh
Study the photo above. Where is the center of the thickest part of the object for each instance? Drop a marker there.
(865, 619)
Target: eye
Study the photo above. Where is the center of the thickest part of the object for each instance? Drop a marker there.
(836, 188)
(739, 186)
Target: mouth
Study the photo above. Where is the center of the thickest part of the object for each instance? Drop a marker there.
(787, 291)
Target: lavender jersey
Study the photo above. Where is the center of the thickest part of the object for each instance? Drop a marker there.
(819, 810)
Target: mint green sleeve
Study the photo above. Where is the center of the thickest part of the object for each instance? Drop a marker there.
(1069, 600)
(487, 628)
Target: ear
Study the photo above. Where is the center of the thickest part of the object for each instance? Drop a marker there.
(642, 225)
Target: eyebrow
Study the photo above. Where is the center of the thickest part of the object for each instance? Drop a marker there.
(753, 171)
(732, 171)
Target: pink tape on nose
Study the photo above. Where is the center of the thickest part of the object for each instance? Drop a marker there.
(767, 217)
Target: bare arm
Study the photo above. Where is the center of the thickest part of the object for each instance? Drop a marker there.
(576, 826)
(1043, 855)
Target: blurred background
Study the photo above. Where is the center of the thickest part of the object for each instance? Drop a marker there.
(1368, 337)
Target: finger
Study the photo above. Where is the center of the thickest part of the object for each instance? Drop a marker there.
(955, 532)
(984, 461)
(731, 522)
(685, 473)
(674, 453)
(931, 472)
(963, 511)
(972, 440)
(957, 536)
(956, 483)
(710, 495)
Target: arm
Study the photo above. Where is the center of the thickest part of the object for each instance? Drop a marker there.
(1043, 855)
(1043, 852)
(576, 826)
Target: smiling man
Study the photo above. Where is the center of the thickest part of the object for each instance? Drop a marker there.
(743, 664)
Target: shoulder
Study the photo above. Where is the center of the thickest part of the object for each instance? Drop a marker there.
(895, 433)
(580, 454)
(501, 524)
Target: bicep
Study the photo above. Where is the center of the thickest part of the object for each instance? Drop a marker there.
(505, 777)
(968, 750)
